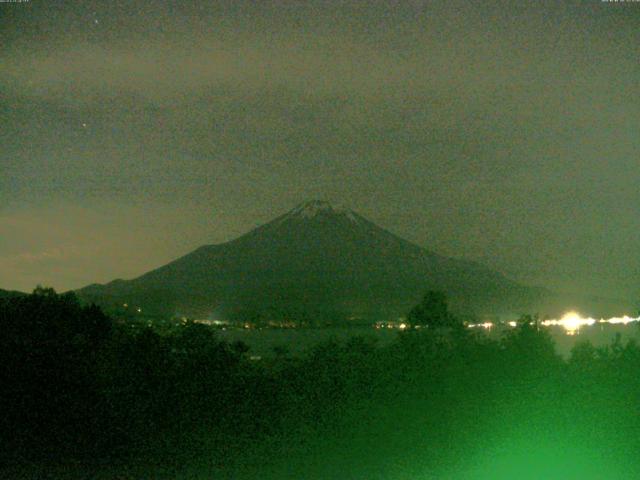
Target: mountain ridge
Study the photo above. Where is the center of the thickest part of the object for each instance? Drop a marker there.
(315, 260)
(10, 293)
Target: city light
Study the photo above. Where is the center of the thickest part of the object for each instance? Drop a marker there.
(617, 320)
(485, 325)
(571, 321)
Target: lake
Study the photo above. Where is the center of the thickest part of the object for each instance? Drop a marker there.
(299, 340)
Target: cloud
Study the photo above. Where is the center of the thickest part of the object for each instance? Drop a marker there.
(501, 132)
(47, 255)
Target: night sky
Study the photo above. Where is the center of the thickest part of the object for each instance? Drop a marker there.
(504, 132)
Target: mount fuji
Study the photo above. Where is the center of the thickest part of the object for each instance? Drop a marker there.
(314, 263)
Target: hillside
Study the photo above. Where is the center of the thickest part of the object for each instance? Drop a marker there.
(315, 261)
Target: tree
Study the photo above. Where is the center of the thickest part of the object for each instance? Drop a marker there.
(432, 311)
(196, 338)
(529, 347)
(281, 351)
(48, 371)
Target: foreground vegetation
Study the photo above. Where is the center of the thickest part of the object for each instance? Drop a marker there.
(84, 397)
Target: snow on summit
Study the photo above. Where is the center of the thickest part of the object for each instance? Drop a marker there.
(313, 208)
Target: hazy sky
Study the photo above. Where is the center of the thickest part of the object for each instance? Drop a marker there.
(505, 132)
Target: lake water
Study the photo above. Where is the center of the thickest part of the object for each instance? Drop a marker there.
(297, 341)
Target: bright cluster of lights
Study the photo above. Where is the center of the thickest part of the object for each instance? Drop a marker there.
(485, 325)
(570, 321)
(624, 320)
(401, 325)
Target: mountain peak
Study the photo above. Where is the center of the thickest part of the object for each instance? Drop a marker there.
(313, 208)
(317, 261)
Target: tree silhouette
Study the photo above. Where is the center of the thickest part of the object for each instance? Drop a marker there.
(432, 311)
